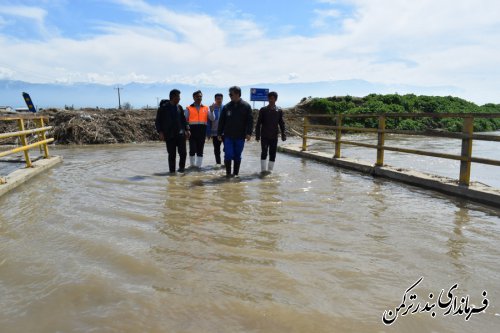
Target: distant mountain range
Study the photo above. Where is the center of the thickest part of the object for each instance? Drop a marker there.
(78, 95)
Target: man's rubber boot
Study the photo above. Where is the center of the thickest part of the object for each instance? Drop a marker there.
(270, 166)
(228, 168)
(263, 166)
(236, 170)
(199, 161)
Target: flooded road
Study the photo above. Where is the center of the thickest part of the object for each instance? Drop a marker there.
(107, 242)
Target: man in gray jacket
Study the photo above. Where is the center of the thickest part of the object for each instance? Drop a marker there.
(213, 125)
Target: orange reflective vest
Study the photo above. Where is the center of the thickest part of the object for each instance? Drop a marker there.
(197, 117)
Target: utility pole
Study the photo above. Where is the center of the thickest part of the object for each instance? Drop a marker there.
(119, 102)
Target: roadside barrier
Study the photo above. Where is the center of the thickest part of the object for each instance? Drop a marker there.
(467, 136)
(38, 134)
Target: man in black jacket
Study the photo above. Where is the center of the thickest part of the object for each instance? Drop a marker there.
(270, 117)
(173, 129)
(235, 124)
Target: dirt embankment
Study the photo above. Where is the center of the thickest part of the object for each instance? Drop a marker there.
(103, 126)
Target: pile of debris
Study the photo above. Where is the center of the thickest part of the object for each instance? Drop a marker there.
(104, 126)
(94, 126)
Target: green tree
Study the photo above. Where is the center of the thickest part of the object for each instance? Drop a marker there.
(409, 103)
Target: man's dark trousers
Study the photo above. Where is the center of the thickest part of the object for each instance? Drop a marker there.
(178, 143)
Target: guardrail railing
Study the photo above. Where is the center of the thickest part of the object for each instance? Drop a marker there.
(38, 133)
(467, 136)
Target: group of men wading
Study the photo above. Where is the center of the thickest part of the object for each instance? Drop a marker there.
(230, 124)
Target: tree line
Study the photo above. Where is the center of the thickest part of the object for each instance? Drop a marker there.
(410, 103)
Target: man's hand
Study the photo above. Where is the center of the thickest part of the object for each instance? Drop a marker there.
(283, 137)
(248, 137)
(219, 138)
(207, 139)
(188, 134)
(162, 136)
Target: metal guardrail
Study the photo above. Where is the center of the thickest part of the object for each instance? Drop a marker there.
(467, 136)
(40, 139)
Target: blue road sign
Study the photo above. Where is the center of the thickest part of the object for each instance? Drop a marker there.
(28, 101)
(258, 94)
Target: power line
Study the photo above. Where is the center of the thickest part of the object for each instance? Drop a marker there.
(119, 102)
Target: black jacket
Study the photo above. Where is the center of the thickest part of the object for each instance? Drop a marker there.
(267, 123)
(236, 120)
(170, 120)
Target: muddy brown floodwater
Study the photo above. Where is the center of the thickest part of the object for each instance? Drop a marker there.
(107, 242)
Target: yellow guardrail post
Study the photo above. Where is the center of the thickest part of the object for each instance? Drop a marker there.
(381, 141)
(20, 122)
(465, 164)
(304, 137)
(45, 147)
(338, 136)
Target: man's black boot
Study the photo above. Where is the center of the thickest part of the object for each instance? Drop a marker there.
(227, 163)
(236, 170)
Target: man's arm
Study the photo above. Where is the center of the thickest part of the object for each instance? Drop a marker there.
(281, 123)
(249, 128)
(211, 117)
(222, 124)
(259, 125)
(184, 122)
(211, 112)
(158, 123)
(158, 120)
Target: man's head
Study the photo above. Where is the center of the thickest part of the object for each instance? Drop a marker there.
(174, 96)
(218, 98)
(235, 93)
(197, 97)
(272, 97)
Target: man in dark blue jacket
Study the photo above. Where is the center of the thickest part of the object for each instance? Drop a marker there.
(173, 128)
(235, 124)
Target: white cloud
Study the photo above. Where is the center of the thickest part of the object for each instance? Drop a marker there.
(324, 17)
(196, 29)
(426, 43)
(36, 15)
(6, 73)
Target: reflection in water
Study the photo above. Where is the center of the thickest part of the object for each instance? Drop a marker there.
(377, 193)
(108, 241)
(457, 242)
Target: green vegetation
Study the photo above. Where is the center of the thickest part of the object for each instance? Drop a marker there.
(394, 103)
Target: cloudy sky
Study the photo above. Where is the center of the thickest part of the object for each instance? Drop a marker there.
(423, 43)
